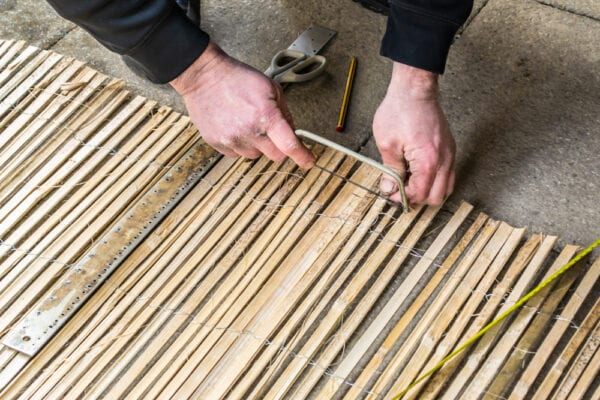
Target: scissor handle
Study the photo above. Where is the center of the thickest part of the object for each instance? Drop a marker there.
(283, 61)
(302, 71)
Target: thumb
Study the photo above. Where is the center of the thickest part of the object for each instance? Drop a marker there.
(388, 185)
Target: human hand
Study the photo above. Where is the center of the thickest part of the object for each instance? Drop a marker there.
(411, 131)
(238, 110)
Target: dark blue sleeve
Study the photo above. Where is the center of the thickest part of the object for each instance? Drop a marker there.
(419, 32)
(155, 34)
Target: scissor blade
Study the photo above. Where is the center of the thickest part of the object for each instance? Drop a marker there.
(312, 40)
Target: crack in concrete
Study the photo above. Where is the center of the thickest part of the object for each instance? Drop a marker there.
(568, 9)
(53, 43)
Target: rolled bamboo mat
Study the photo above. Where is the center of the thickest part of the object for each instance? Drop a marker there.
(182, 274)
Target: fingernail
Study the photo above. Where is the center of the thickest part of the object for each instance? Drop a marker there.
(387, 186)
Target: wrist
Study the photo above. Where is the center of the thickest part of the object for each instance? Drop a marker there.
(414, 83)
(194, 75)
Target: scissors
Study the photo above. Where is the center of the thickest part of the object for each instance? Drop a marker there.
(291, 66)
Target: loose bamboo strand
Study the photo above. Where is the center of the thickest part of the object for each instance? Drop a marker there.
(587, 378)
(12, 71)
(48, 134)
(9, 371)
(553, 377)
(39, 110)
(24, 80)
(5, 45)
(553, 337)
(38, 96)
(371, 369)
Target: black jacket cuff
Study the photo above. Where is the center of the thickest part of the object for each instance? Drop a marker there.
(173, 45)
(417, 39)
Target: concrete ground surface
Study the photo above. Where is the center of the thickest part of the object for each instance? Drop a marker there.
(521, 91)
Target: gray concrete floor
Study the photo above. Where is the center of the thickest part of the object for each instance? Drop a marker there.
(522, 92)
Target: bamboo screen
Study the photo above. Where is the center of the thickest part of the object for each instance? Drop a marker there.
(185, 275)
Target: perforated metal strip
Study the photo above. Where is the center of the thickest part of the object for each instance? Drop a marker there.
(85, 276)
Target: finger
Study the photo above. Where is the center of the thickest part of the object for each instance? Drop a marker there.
(285, 111)
(420, 182)
(224, 150)
(393, 158)
(451, 180)
(437, 193)
(266, 146)
(288, 143)
(248, 152)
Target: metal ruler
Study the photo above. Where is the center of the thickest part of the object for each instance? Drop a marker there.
(83, 278)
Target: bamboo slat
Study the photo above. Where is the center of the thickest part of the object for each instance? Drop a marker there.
(263, 281)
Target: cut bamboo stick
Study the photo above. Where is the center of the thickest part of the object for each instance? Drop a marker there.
(506, 343)
(587, 378)
(584, 356)
(11, 73)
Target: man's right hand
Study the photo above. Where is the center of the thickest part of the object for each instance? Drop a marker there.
(238, 110)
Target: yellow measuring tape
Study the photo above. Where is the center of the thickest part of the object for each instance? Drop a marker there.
(489, 326)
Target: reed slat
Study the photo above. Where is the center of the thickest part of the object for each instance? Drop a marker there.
(587, 378)
(13, 92)
(16, 128)
(12, 67)
(585, 355)
(278, 238)
(47, 134)
(247, 209)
